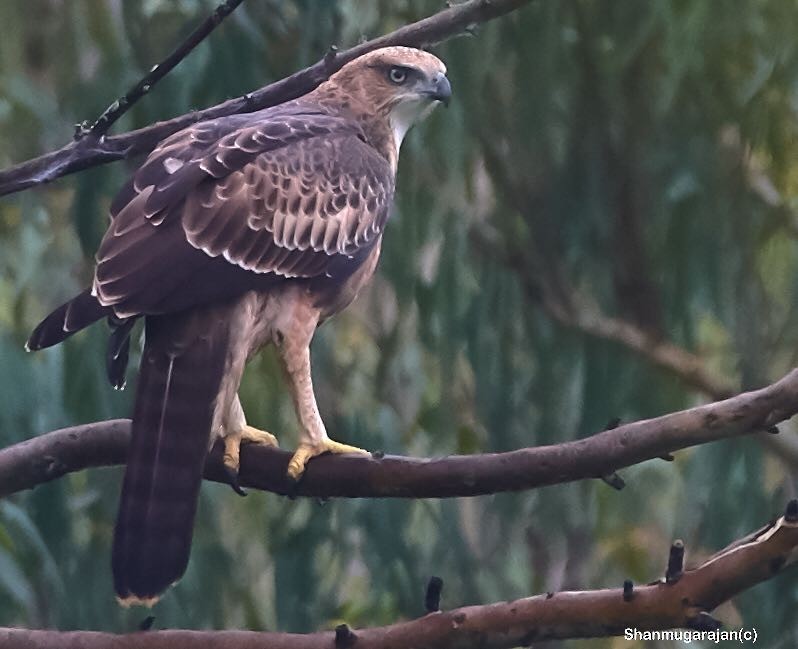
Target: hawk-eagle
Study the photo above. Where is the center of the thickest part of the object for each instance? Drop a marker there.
(235, 233)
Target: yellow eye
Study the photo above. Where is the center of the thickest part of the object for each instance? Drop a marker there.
(397, 75)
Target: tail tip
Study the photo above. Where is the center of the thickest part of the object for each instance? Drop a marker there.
(134, 600)
(34, 341)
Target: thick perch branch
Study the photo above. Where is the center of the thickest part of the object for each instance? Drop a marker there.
(91, 151)
(574, 614)
(54, 454)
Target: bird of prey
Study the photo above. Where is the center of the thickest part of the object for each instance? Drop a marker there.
(235, 233)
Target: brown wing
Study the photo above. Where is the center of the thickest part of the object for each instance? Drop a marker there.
(222, 208)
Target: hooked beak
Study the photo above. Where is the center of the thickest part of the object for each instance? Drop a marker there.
(440, 89)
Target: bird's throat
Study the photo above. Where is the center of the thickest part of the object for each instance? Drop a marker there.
(407, 113)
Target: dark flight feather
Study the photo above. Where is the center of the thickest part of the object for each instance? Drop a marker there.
(70, 317)
(181, 372)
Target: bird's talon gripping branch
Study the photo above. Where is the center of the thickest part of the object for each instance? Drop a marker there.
(232, 480)
(305, 452)
(232, 451)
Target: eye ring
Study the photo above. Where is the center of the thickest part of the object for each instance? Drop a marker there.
(397, 75)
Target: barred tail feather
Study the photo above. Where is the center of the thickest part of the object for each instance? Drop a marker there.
(180, 377)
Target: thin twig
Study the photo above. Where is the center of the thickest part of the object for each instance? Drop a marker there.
(159, 71)
(675, 562)
(432, 596)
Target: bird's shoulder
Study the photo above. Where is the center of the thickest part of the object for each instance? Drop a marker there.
(215, 148)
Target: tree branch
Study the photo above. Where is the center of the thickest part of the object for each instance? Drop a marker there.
(572, 310)
(91, 152)
(54, 454)
(585, 316)
(676, 360)
(159, 71)
(563, 304)
(685, 603)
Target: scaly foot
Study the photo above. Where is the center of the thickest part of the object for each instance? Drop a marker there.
(232, 450)
(305, 452)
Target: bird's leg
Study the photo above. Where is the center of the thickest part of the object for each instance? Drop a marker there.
(238, 432)
(294, 353)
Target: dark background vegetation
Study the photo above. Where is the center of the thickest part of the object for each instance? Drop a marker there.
(629, 158)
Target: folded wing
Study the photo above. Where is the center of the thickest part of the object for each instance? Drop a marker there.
(220, 209)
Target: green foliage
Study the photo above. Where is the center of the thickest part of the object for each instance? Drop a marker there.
(640, 154)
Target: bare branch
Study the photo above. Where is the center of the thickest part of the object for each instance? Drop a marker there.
(158, 72)
(551, 290)
(54, 454)
(89, 152)
(676, 360)
(585, 316)
(684, 603)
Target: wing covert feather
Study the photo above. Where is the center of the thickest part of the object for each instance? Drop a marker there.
(284, 193)
(306, 204)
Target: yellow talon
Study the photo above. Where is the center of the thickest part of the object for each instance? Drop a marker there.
(305, 452)
(247, 435)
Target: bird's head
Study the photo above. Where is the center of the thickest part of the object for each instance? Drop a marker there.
(401, 84)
